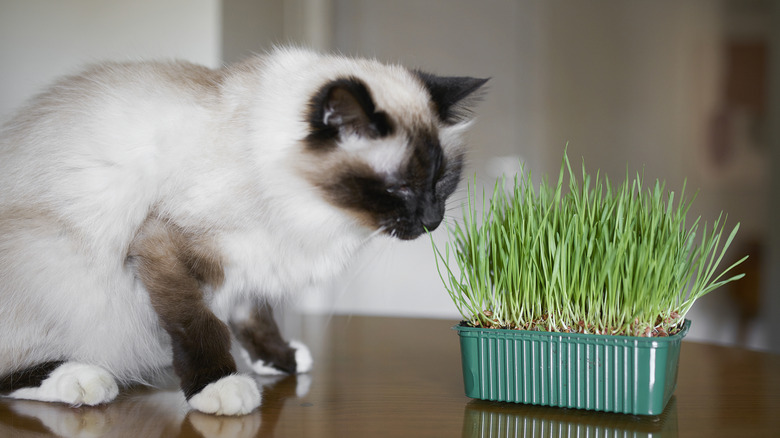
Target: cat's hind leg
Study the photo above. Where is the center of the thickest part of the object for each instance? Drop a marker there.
(263, 347)
(73, 383)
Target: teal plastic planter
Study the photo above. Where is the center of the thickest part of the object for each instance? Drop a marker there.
(624, 374)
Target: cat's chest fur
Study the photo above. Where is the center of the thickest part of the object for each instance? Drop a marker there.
(297, 248)
(273, 263)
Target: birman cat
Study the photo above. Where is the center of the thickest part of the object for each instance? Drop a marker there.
(150, 212)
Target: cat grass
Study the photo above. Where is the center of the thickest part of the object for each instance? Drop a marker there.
(584, 256)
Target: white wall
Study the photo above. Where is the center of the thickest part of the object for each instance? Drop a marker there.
(43, 39)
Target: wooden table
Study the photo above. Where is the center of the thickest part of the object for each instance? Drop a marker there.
(380, 377)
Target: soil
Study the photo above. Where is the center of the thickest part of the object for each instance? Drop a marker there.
(662, 328)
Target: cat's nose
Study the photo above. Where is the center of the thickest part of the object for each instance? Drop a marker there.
(431, 218)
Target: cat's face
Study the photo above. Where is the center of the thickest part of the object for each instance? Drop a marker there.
(390, 154)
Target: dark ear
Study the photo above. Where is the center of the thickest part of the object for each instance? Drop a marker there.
(453, 95)
(344, 107)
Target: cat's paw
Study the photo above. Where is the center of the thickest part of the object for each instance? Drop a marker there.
(303, 361)
(73, 383)
(235, 394)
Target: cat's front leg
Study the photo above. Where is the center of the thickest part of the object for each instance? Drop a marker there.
(264, 349)
(174, 266)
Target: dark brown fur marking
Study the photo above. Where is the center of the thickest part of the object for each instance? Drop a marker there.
(174, 266)
(261, 338)
(404, 204)
(350, 109)
(452, 96)
(28, 377)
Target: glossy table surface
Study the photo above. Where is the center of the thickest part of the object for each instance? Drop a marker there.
(401, 377)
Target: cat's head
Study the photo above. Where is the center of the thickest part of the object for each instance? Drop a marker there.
(387, 146)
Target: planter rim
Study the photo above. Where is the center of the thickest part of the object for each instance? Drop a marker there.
(547, 334)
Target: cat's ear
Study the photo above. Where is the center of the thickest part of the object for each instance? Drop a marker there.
(454, 96)
(345, 107)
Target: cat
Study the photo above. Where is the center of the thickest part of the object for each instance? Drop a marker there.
(150, 212)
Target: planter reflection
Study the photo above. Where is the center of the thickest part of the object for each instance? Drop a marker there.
(497, 420)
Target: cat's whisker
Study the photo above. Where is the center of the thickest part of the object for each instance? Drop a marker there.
(379, 231)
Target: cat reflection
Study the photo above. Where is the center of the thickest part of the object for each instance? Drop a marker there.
(149, 413)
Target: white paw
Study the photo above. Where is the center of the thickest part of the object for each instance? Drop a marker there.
(73, 383)
(303, 359)
(259, 366)
(235, 394)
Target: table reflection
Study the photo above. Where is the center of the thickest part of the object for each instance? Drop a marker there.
(148, 412)
(497, 420)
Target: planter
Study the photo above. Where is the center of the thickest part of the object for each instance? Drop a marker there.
(630, 375)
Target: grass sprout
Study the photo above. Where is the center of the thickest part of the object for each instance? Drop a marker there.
(587, 258)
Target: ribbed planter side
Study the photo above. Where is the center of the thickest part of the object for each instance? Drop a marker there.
(623, 374)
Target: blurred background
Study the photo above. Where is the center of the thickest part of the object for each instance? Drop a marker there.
(680, 90)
